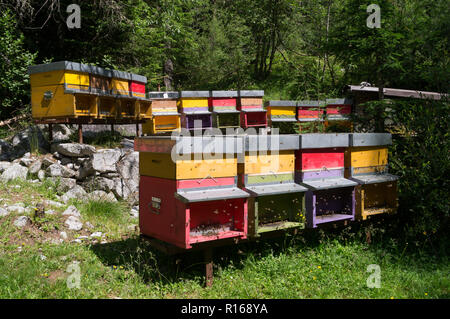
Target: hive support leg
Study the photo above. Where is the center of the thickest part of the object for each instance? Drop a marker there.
(80, 133)
(50, 133)
(137, 130)
(112, 129)
(208, 267)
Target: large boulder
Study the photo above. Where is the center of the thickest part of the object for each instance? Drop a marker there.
(77, 192)
(35, 167)
(74, 149)
(14, 171)
(29, 140)
(61, 133)
(128, 169)
(64, 184)
(4, 166)
(106, 160)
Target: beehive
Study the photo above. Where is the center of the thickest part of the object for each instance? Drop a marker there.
(223, 105)
(320, 167)
(338, 109)
(137, 86)
(120, 83)
(100, 80)
(61, 89)
(366, 162)
(163, 114)
(267, 173)
(194, 109)
(282, 111)
(192, 201)
(250, 104)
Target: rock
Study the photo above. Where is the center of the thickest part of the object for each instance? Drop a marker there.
(134, 213)
(63, 235)
(35, 167)
(21, 221)
(65, 184)
(31, 139)
(5, 150)
(99, 183)
(57, 170)
(127, 143)
(72, 211)
(41, 175)
(61, 133)
(49, 202)
(101, 195)
(50, 212)
(76, 192)
(73, 223)
(16, 209)
(66, 160)
(88, 225)
(47, 161)
(74, 149)
(85, 170)
(96, 234)
(105, 160)
(128, 168)
(3, 212)
(13, 172)
(25, 161)
(4, 166)
(42, 257)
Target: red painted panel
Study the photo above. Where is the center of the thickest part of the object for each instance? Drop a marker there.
(339, 109)
(307, 112)
(207, 182)
(168, 223)
(314, 159)
(137, 87)
(222, 102)
(245, 107)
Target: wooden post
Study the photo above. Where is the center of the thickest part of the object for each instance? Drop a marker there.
(208, 267)
(112, 129)
(50, 132)
(80, 133)
(137, 130)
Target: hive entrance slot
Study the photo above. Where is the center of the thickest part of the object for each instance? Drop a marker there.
(84, 105)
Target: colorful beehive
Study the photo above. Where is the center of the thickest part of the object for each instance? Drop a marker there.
(338, 113)
(61, 89)
(250, 104)
(187, 195)
(100, 80)
(163, 113)
(282, 111)
(267, 174)
(223, 105)
(193, 106)
(137, 86)
(366, 162)
(320, 168)
(310, 115)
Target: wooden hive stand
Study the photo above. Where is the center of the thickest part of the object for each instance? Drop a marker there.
(366, 162)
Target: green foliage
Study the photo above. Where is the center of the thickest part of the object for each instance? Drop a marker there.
(14, 60)
(420, 156)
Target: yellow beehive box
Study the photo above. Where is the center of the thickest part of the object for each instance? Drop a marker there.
(59, 90)
(120, 83)
(161, 124)
(193, 101)
(269, 163)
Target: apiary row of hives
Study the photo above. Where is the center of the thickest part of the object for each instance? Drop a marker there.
(75, 90)
(202, 189)
(306, 112)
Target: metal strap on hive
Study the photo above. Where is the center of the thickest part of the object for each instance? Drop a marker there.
(224, 94)
(190, 94)
(251, 93)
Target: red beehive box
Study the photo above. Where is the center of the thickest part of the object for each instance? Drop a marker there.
(338, 109)
(185, 201)
(137, 86)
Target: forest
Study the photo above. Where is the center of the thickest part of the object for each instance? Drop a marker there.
(292, 49)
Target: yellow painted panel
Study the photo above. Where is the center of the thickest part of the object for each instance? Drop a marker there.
(161, 165)
(283, 111)
(119, 86)
(270, 163)
(194, 102)
(160, 124)
(76, 78)
(47, 78)
(369, 156)
(59, 105)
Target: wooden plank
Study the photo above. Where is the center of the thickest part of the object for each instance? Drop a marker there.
(270, 163)
(369, 156)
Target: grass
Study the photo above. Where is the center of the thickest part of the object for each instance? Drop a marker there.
(313, 264)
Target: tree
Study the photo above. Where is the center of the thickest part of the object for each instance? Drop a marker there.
(14, 61)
